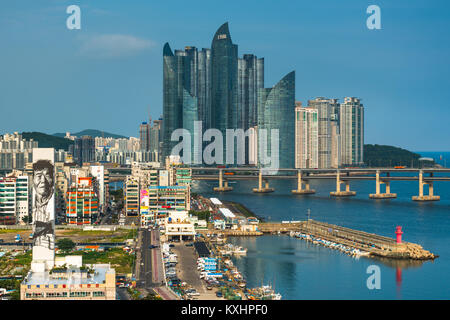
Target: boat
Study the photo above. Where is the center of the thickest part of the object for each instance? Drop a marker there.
(240, 250)
(263, 293)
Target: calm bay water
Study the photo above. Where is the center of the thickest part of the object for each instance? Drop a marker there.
(300, 270)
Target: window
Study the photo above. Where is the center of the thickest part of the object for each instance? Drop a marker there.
(98, 294)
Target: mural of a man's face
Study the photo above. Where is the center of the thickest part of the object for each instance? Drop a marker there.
(43, 182)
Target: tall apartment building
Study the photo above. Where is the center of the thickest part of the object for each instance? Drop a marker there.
(213, 86)
(276, 111)
(82, 203)
(15, 198)
(352, 131)
(132, 196)
(306, 137)
(15, 151)
(250, 80)
(144, 136)
(335, 145)
(84, 150)
(326, 112)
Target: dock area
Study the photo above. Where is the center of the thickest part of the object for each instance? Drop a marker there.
(368, 244)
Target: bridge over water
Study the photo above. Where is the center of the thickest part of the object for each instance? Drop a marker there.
(381, 176)
(424, 176)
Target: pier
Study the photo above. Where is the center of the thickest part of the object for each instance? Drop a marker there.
(372, 244)
(334, 236)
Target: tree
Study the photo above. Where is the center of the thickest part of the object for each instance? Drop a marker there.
(65, 244)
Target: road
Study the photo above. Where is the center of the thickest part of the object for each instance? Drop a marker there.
(122, 294)
(151, 274)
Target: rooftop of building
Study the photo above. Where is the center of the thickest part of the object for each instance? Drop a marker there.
(74, 276)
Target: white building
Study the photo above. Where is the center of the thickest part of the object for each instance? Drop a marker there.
(14, 199)
(179, 225)
(306, 137)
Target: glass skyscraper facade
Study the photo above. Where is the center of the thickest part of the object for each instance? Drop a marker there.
(276, 110)
(213, 86)
(224, 67)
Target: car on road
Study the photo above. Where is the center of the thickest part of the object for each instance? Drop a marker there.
(189, 244)
(152, 246)
(171, 245)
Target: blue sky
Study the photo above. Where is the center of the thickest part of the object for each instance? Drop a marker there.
(108, 75)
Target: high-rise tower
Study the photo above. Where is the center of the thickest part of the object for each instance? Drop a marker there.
(276, 110)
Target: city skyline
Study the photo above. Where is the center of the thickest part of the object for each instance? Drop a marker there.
(69, 70)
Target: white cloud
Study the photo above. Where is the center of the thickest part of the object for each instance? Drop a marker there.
(113, 45)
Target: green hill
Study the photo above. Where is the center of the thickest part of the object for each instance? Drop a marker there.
(387, 156)
(91, 132)
(48, 141)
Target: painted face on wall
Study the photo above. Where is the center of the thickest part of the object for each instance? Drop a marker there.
(43, 181)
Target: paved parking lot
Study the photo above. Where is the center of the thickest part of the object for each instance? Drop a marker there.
(187, 271)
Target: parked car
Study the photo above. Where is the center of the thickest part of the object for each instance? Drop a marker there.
(219, 294)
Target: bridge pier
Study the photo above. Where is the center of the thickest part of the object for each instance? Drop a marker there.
(260, 188)
(300, 182)
(378, 194)
(338, 192)
(223, 184)
(421, 196)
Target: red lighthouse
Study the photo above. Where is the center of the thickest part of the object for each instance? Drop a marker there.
(399, 233)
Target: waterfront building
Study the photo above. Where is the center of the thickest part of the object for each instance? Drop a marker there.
(250, 80)
(306, 137)
(69, 279)
(352, 131)
(253, 146)
(326, 111)
(224, 70)
(132, 196)
(15, 206)
(204, 87)
(212, 86)
(82, 204)
(176, 94)
(276, 111)
(335, 145)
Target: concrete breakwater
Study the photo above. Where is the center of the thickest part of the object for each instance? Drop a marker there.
(367, 243)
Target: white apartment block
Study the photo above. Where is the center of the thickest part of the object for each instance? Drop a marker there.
(306, 137)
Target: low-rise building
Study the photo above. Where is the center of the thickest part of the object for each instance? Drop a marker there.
(82, 203)
(70, 280)
(178, 225)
